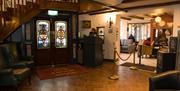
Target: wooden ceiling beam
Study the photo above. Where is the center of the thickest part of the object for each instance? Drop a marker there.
(126, 18)
(103, 12)
(137, 17)
(110, 6)
(94, 11)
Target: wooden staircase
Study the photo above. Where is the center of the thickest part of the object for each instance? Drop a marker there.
(13, 13)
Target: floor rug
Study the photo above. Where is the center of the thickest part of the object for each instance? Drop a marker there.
(59, 71)
(142, 67)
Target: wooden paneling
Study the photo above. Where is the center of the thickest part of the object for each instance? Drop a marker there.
(42, 57)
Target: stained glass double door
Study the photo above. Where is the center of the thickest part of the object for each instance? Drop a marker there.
(52, 42)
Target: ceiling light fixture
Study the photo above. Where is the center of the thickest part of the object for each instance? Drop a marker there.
(158, 19)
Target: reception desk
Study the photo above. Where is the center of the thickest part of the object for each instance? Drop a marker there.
(92, 51)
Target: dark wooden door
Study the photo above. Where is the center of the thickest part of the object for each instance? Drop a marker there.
(55, 48)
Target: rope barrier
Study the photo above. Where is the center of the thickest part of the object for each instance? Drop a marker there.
(132, 50)
(122, 58)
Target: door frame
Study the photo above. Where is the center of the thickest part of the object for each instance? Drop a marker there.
(66, 18)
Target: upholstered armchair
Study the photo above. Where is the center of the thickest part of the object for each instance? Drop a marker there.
(19, 54)
(145, 49)
(12, 54)
(167, 81)
(11, 76)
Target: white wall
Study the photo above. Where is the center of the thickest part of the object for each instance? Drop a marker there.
(97, 21)
(123, 29)
(176, 19)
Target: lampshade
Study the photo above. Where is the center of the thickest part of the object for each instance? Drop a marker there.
(162, 23)
(158, 19)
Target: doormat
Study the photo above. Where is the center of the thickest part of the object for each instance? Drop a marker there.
(142, 67)
(59, 71)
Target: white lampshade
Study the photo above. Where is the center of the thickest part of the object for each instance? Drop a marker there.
(162, 23)
(158, 19)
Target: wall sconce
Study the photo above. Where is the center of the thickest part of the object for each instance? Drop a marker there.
(110, 25)
(110, 22)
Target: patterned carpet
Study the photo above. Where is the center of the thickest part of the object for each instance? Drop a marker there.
(59, 71)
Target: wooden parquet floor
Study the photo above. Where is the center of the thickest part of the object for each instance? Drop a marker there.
(94, 80)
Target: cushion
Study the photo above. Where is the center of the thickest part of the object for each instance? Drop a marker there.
(146, 42)
(21, 73)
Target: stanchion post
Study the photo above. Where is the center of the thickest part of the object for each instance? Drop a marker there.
(114, 76)
(134, 53)
(115, 54)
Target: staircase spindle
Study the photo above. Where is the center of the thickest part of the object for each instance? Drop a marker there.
(20, 2)
(1, 5)
(17, 2)
(14, 3)
(11, 3)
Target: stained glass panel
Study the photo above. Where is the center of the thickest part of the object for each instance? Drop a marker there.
(43, 34)
(61, 34)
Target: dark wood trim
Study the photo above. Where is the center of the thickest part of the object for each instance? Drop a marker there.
(140, 23)
(137, 17)
(104, 12)
(94, 11)
(126, 18)
(154, 5)
(109, 60)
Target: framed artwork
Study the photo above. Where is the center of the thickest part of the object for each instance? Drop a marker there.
(100, 30)
(86, 24)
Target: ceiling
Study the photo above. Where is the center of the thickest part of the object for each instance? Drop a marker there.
(104, 6)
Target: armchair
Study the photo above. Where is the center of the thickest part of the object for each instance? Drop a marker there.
(11, 76)
(13, 55)
(167, 81)
(145, 49)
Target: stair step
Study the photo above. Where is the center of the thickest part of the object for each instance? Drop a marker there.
(32, 5)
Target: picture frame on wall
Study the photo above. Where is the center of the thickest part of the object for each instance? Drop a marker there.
(86, 24)
(100, 31)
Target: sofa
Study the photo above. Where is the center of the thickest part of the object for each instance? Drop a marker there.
(167, 81)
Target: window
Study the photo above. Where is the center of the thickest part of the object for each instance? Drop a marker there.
(61, 34)
(140, 31)
(43, 34)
